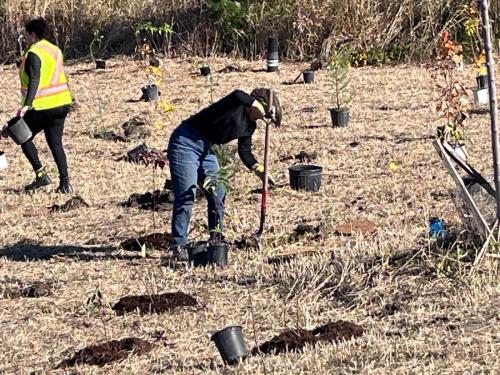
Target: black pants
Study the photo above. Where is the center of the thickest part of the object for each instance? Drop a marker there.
(51, 121)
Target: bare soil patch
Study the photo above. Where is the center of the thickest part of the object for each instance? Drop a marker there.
(158, 200)
(157, 241)
(73, 203)
(156, 303)
(26, 289)
(111, 351)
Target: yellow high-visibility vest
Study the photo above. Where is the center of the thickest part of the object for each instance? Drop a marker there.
(53, 90)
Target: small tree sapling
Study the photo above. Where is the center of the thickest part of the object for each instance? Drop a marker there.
(214, 181)
(342, 94)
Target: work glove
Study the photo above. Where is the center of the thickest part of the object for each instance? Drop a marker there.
(258, 169)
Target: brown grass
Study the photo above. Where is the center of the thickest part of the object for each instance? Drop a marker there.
(416, 319)
(386, 29)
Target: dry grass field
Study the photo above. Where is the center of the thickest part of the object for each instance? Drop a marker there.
(422, 307)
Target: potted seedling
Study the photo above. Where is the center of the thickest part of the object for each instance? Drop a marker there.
(481, 92)
(217, 249)
(451, 99)
(339, 65)
(96, 50)
(150, 92)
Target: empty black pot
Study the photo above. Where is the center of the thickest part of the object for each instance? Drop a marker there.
(308, 76)
(340, 117)
(150, 93)
(217, 255)
(231, 344)
(100, 64)
(198, 254)
(272, 55)
(482, 82)
(135, 154)
(305, 177)
(18, 130)
(205, 71)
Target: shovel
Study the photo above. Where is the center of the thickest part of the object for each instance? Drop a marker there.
(265, 184)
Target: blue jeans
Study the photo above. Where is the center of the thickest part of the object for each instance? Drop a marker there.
(191, 159)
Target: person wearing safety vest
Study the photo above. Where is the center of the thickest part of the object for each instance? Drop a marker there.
(46, 101)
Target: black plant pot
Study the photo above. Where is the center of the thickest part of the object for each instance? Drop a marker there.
(305, 177)
(100, 64)
(308, 76)
(205, 71)
(134, 154)
(340, 117)
(18, 130)
(231, 344)
(198, 254)
(150, 93)
(272, 55)
(482, 82)
(217, 255)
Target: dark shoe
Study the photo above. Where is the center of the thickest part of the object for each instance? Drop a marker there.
(64, 186)
(180, 253)
(42, 179)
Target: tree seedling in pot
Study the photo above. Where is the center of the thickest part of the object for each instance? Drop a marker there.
(342, 94)
(451, 100)
(97, 50)
(217, 248)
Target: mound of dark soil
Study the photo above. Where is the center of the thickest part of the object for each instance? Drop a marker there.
(289, 340)
(73, 204)
(337, 331)
(22, 289)
(107, 352)
(308, 230)
(157, 241)
(110, 136)
(302, 157)
(159, 200)
(156, 303)
(136, 128)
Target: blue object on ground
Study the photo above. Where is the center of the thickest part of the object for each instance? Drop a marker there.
(437, 228)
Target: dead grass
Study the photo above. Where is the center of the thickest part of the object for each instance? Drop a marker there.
(416, 320)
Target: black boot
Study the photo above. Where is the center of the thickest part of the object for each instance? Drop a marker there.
(64, 186)
(42, 179)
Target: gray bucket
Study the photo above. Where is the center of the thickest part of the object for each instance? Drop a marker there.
(18, 130)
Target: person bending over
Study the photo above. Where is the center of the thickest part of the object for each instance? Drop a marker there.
(191, 158)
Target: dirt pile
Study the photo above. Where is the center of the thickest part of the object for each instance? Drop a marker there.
(111, 351)
(296, 339)
(157, 241)
(156, 303)
(73, 204)
(158, 200)
(289, 340)
(337, 331)
(25, 289)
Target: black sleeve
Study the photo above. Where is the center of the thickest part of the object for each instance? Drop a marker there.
(245, 151)
(32, 68)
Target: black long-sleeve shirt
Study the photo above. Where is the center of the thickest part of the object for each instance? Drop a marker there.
(32, 67)
(227, 120)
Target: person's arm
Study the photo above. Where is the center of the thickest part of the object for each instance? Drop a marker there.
(32, 68)
(245, 152)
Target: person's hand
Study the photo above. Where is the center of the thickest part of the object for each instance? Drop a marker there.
(259, 170)
(22, 111)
